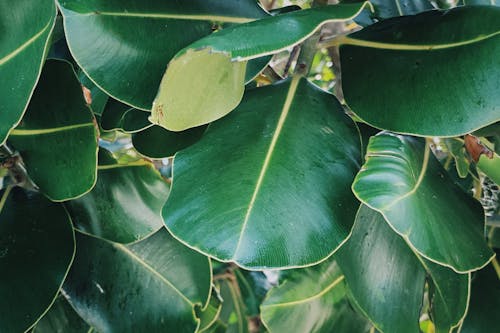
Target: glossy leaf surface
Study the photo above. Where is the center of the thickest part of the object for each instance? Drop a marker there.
(57, 138)
(24, 40)
(61, 318)
(454, 78)
(403, 180)
(125, 204)
(150, 286)
(269, 186)
(317, 293)
(218, 61)
(384, 276)
(36, 249)
(130, 62)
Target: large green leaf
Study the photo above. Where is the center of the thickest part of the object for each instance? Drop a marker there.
(485, 302)
(36, 249)
(57, 137)
(317, 293)
(269, 185)
(61, 318)
(24, 40)
(135, 39)
(447, 84)
(404, 181)
(384, 276)
(125, 205)
(150, 286)
(218, 62)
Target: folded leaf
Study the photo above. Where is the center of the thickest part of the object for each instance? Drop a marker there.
(404, 181)
(218, 63)
(135, 39)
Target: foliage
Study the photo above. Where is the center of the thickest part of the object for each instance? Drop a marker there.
(234, 166)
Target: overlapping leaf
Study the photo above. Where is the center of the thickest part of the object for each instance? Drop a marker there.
(135, 39)
(119, 116)
(57, 138)
(24, 39)
(317, 293)
(484, 303)
(403, 180)
(386, 279)
(157, 142)
(451, 81)
(150, 286)
(125, 204)
(36, 249)
(269, 186)
(219, 60)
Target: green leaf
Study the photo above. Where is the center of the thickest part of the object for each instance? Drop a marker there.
(150, 286)
(450, 294)
(157, 142)
(457, 150)
(490, 166)
(317, 293)
(287, 155)
(61, 318)
(25, 31)
(253, 287)
(97, 96)
(450, 80)
(219, 60)
(232, 315)
(384, 276)
(36, 250)
(209, 316)
(131, 63)
(125, 204)
(57, 138)
(404, 181)
(119, 116)
(485, 302)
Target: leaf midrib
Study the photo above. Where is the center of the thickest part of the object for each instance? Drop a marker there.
(310, 298)
(25, 45)
(344, 40)
(29, 132)
(210, 18)
(152, 270)
(279, 127)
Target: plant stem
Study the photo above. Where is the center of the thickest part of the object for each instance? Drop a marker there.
(309, 48)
